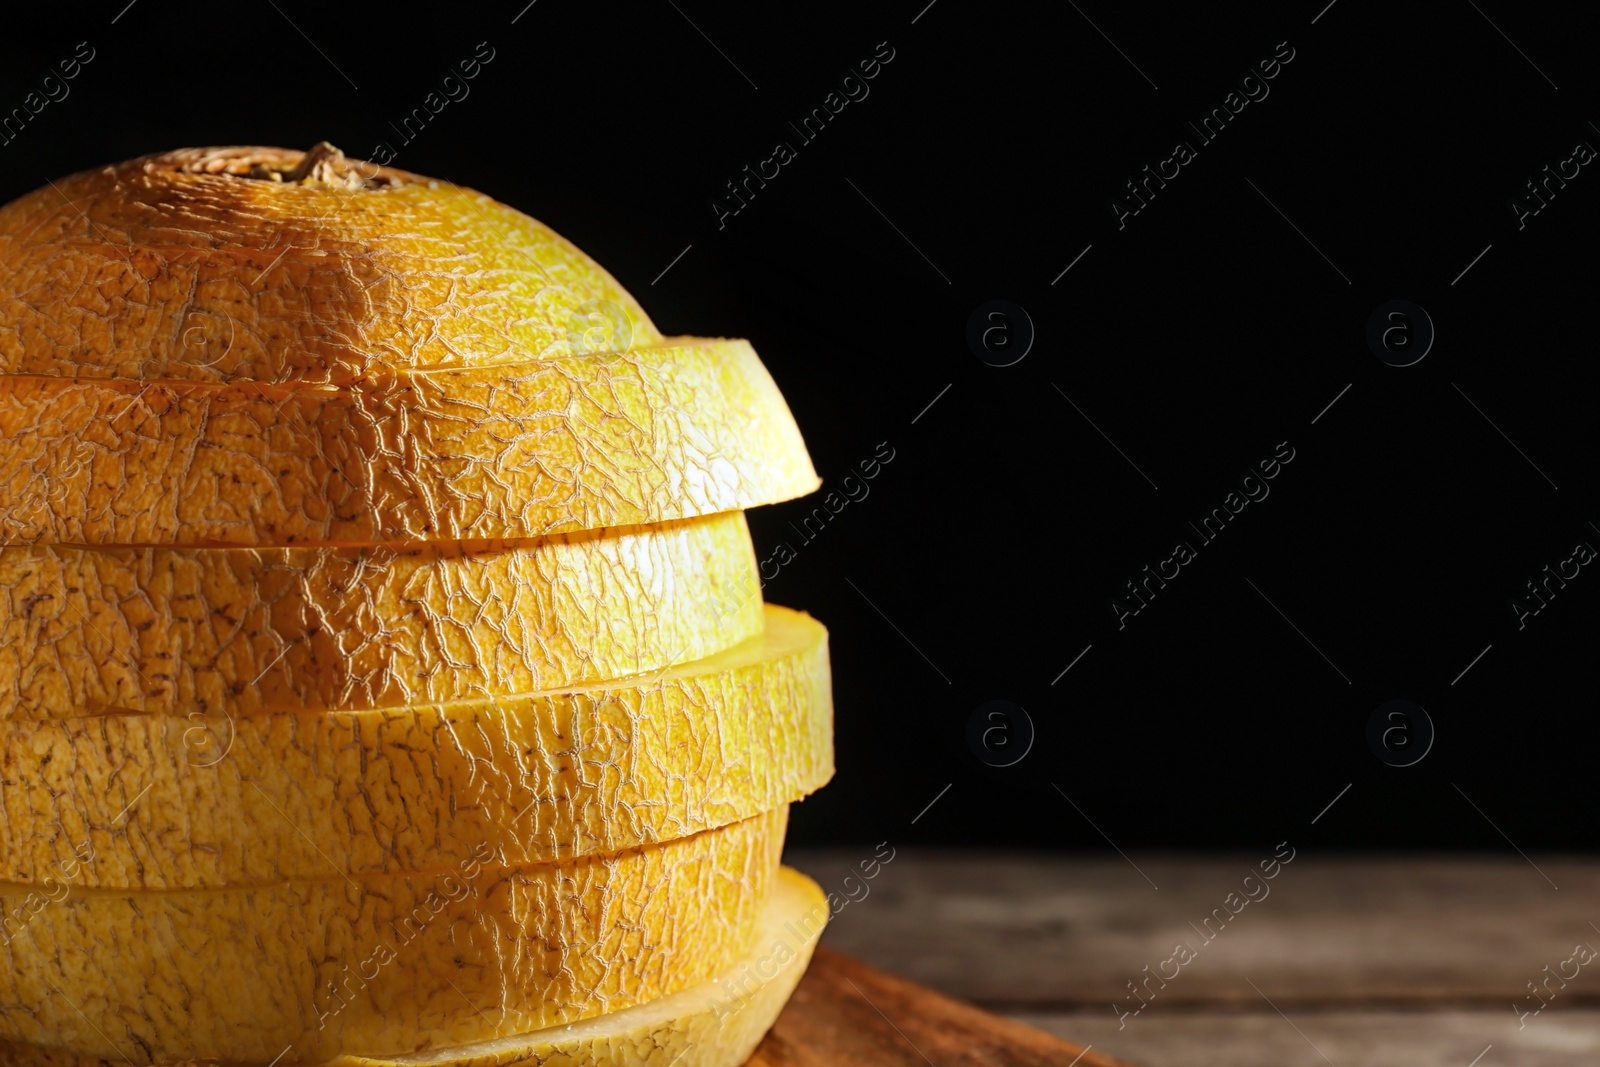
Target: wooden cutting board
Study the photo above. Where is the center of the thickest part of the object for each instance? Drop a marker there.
(845, 1012)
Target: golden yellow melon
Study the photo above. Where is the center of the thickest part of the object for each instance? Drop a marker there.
(226, 631)
(714, 1024)
(603, 439)
(717, 1023)
(168, 802)
(383, 673)
(184, 266)
(392, 964)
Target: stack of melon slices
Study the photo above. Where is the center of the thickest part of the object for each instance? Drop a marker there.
(384, 675)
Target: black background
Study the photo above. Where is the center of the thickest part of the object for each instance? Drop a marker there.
(1202, 333)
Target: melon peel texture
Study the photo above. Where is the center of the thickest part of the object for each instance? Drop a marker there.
(594, 440)
(396, 963)
(222, 632)
(384, 673)
(182, 266)
(165, 802)
(717, 1023)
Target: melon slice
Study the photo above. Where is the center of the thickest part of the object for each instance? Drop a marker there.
(184, 266)
(606, 439)
(167, 802)
(397, 962)
(717, 1023)
(222, 632)
(714, 1024)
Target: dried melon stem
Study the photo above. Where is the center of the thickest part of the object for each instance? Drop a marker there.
(323, 164)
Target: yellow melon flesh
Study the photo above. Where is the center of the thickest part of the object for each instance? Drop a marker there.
(717, 1023)
(222, 632)
(538, 778)
(395, 963)
(520, 451)
(177, 266)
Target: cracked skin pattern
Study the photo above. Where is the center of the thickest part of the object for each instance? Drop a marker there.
(240, 974)
(538, 778)
(722, 1030)
(610, 439)
(210, 632)
(170, 266)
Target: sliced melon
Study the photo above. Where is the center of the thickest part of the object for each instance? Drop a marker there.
(596, 440)
(224, 632)
(168, 802)
(182, 266)
(714, 1024)
(717, 1023)
(397, 962)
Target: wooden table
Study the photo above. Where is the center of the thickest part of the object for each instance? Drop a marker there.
(848, 1013)
(1345, 961)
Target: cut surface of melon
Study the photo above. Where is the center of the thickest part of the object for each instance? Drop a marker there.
(395, 963)
(167, 802)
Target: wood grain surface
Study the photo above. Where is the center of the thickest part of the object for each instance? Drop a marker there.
(1424, 962)
(1373, 1038)
(845, 1012)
